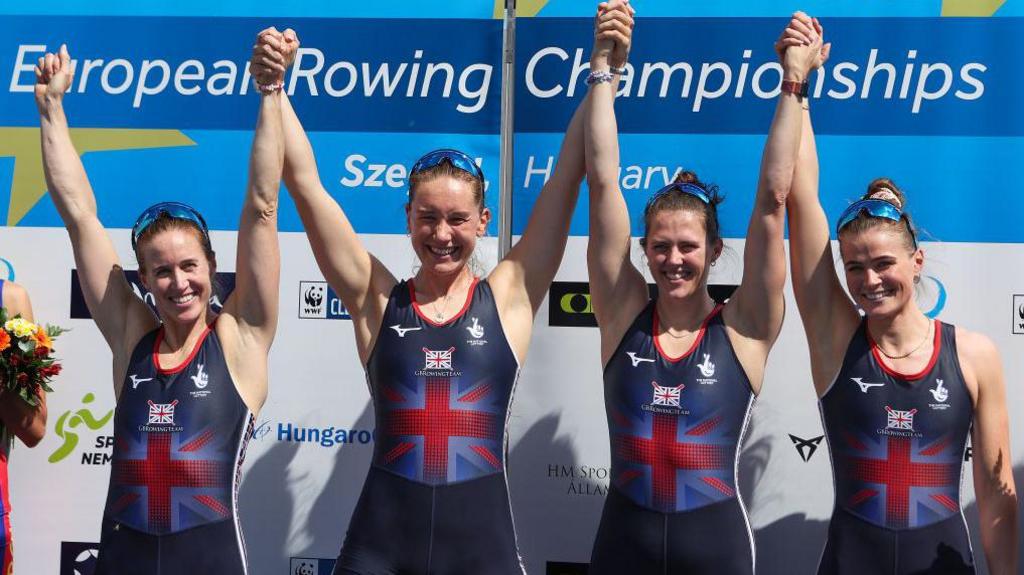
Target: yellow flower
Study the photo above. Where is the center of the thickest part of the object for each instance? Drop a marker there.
(21, 327)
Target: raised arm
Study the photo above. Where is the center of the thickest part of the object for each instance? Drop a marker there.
(757, 307)
(254, 301)
(617, 289)
(362, 282)
(121, 317)
(993, 464)
(25, 421)
(828, 315)
(532, 263)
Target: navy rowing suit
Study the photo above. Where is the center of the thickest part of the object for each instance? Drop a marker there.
(436, 498)
(897, 443)
(675, 426)
(179, 440)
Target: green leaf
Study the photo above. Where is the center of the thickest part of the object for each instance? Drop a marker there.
(27, 345)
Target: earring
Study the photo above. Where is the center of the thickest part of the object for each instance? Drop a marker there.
(714, 263)
(917, 279)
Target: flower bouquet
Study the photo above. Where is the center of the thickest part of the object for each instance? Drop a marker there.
(26, 357)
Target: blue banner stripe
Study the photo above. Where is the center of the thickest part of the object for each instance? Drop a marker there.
(401, 75)
(366, 173)
(889, 76)
(819, 8)
(954, 195)
(297, 8)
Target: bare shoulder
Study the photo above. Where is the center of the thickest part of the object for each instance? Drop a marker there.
(981, 364)
(977, 349)
(16, 300)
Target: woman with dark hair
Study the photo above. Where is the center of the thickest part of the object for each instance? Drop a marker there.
(899, 392)
(187, 380)
(442, 352)
(680, 371)
(17, 419)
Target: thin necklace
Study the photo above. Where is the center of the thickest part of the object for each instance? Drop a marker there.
(440, 313)
(911, 352)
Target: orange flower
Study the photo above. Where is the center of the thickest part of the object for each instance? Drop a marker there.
(43, 340)
(5, 340)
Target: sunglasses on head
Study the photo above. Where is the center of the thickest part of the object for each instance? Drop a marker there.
(875, 208)
(686, 188)
(175, 210)
(456, 158)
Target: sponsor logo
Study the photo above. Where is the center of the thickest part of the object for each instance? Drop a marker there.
(580, 479)
(940, 394)
(476, 331)
(707, 369)
(563, 568)
(8, 269)
(806, 447)
(161, 418)
(71, 420)
(161, 413)
(865, 385)
(201, 379)
(78, 558)
(569, 303)
(262, 429)
(1018, 314)
(310, 566)
(637, 360)
(666, 395)
(223, 285)
(900, 419)
(136, 380)
(438, 359)
(322, 436)
(940, 298)
(666, 400)
(317, 300)
(401, 331)
(899, 423)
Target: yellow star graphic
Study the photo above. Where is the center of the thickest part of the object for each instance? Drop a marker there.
(524, 8)
(29, 184)
(971, 7)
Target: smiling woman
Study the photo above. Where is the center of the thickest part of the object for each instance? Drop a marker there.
(188, 381)
(899, 391)
(674, 503)
(442, 353)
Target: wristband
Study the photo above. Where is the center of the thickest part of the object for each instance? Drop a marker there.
(268, 88)
(599, 77)
(617, 71)
(800, 89)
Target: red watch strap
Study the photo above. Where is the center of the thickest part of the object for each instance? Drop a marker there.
(796, 88)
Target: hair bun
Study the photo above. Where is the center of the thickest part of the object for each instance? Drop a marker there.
(886, 190)
(687, 177)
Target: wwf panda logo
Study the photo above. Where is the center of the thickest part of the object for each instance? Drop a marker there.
(314, 296)
(305, 568)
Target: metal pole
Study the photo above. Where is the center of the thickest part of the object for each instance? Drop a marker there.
(507, 129)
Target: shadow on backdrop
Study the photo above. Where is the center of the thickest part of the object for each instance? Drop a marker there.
(268, 508)
(542, 505)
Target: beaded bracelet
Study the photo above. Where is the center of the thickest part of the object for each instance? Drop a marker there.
(268, 88)
(599, 77)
